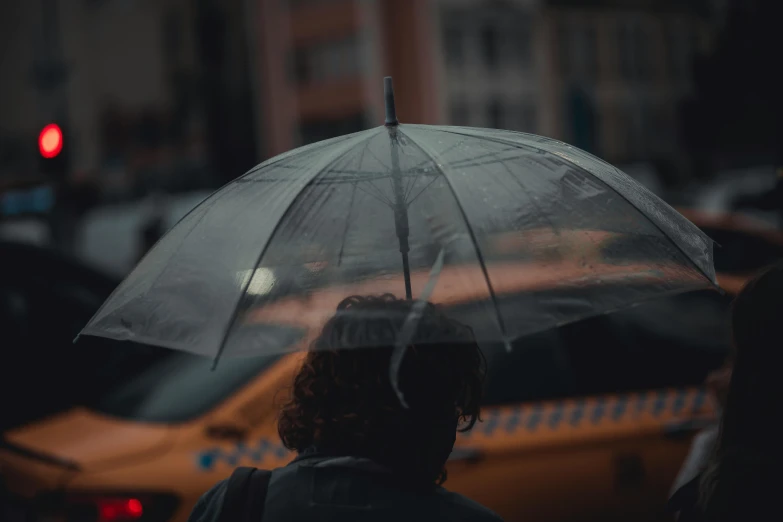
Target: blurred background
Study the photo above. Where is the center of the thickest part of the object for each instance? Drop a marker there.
(119, 116)
(160, 102)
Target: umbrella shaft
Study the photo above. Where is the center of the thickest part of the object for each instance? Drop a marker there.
(401, 224)
(407, 271)
(400, 207)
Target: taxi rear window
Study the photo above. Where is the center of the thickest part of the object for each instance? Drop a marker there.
(180, 387)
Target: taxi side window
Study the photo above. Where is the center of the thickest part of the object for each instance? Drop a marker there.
(666, 343)
(535, 369)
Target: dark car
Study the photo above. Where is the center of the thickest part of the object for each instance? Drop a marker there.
(45, 299)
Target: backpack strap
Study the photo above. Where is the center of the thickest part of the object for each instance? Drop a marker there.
(245, 495)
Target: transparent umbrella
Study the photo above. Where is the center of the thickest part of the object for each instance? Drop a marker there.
(512, 233)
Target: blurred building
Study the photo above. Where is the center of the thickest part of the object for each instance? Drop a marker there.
(615, 72)
(605, 75)
(185, 94)
(489, 62)
(321, 65)
(151, 94)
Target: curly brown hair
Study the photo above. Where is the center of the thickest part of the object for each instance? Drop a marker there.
(342, 401)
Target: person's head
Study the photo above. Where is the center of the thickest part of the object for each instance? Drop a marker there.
(750, 444)
(343, 403)
(757, 330)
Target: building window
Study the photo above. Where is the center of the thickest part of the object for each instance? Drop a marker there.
(459, 113)
(679, 51)
(633, 133)
(300, 66)
(661, 128)
(634, 43)
(643, 53)
(490, 46)
(625, 47)
(495, 114)
(582, 118)
(454, 45)
(326, 61)
(578, 50)
(521, 34)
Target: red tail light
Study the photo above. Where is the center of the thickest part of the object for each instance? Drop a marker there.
(109, 507)
(119, 509)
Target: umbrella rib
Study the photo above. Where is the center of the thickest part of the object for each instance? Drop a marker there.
(380, 198)
(411, 185)
(354, 176)
(532, 199)
(582, 169)
(472, 234)
(246, 285)
(347, 224)
(379, 160)
(434, 179)
(410, 182)
(242, 178)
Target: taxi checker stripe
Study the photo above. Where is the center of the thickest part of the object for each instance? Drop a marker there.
(207, 459)
(578, 413)
(641, 403)
(679, 401)
(660, 403)
(620, 407)
(596, 410)
(514, 420)
(492, 423)
(556, 416)
(528, 418)
(535, 418)
(698, 401)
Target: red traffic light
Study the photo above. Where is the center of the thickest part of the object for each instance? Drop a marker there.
(50, 141)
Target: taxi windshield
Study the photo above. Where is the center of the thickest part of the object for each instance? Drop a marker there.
(180, 387)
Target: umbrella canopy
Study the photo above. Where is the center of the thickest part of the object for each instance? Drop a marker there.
(478, 220)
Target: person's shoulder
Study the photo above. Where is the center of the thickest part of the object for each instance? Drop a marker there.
(207, 509)
(467, 509)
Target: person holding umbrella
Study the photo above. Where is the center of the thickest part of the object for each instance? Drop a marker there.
(742, 477)
(411, 210)
(704, 443)
(361, 453)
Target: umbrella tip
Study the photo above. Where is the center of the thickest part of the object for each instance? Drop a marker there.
(388, 95)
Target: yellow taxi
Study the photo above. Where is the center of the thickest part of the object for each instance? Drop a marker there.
(585, 421)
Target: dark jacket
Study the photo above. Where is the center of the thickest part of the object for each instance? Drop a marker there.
(685, 501)
(753, 500)
(317, 488)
